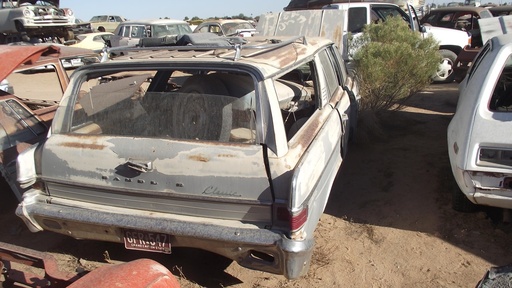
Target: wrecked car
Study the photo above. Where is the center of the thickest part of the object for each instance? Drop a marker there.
(26, 116)
(24, 267)
(105, 23)
(35, 18)
(217, 145)
(463, 18)
(479, 147)
(227, 27)
(129, 33)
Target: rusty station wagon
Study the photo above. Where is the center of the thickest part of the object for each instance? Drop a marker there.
(223, 146)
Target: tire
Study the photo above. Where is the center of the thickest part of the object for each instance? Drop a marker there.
(19, 27)
(198, 117)
(461, 203)
(444, 73)
(69, 35)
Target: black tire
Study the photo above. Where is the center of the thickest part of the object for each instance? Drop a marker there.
(19, 27)
(461, 203)
(445, 74)
(198, 117)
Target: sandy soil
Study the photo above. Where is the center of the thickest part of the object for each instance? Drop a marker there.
(388, 222)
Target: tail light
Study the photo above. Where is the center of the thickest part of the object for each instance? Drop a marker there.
(295, 219)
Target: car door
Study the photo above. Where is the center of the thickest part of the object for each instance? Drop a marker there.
(321, 158)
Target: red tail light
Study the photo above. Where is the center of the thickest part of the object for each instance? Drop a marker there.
(295, 220)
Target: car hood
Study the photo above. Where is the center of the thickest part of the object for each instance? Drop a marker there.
(444, 31)
(33, 2)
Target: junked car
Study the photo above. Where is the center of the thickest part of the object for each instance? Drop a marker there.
(105, 23)
(461, 18)
(26, 116)
(81, 27)
(227, 27)
(222, 146)
(35, 18)
(353, 17)
(479, 148)
(93, 41)
(501, 10)
(130, 33)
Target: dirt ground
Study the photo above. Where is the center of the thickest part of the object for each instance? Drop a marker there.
(388, 222)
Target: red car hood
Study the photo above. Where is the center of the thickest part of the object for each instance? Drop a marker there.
(12, 57)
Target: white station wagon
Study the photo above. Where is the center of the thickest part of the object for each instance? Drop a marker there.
(479, 145)
(223, 146)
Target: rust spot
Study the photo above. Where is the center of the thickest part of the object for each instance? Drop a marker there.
(199, 158)
(83, 146)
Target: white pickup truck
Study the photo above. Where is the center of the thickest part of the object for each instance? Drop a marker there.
(353, 17)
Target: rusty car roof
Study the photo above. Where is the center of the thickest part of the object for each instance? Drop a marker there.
(268, 55)
(17, 56)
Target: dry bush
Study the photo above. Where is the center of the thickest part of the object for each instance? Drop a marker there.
(391, 63)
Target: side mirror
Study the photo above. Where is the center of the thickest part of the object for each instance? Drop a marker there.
(423, 29)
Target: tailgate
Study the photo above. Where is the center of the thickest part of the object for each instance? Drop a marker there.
(196, 179)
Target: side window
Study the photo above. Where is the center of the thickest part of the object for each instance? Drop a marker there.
(331, 78)
(117, 19)
(357, 18)
(446, 20)
(297, 95)
(501, 99)
(464, 21)
(215, 29)
(339, 64)
(390, 11)
(203, 29)
(137, 32)
(126, 31)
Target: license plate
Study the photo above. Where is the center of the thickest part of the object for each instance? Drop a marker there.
(147, 241)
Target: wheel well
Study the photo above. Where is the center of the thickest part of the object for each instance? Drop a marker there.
(453, 48)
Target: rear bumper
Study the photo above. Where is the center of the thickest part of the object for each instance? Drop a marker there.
(243, 243)
(484, 188)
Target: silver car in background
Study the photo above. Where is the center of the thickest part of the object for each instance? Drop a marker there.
(129, 33)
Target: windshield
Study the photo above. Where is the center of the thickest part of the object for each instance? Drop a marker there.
(231, 28)
(171, 29)
(99, 19)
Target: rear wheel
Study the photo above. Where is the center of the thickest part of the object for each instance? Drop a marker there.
(444, 72)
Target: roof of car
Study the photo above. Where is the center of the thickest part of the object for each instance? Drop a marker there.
(501, 8)
(458, 8)
(221, 21)
(268, 55)
(154, 22)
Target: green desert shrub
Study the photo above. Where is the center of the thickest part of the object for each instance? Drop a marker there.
(391, 63)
